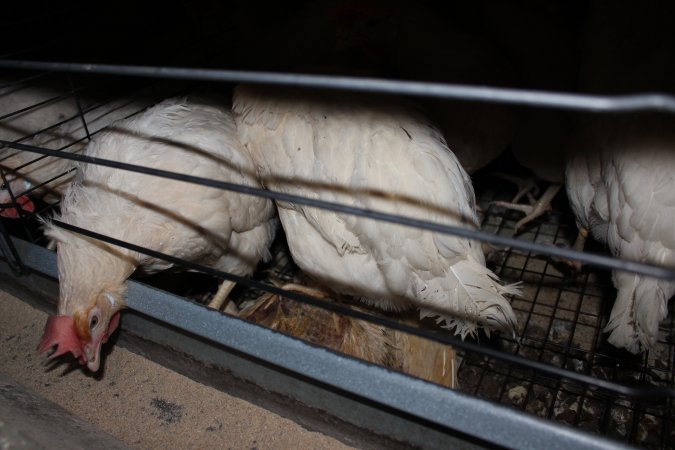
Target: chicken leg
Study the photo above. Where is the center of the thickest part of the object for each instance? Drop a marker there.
(579, 244)
(220, 296)
(536, 208)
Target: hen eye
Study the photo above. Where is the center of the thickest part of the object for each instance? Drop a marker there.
(93, 322)
(3, 186)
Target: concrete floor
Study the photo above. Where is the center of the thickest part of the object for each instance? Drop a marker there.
(144, 405)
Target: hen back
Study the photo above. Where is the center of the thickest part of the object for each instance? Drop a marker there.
(378, 154)
(215, 227)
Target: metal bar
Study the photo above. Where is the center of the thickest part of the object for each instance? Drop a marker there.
(90, 108)
(38, 105)
(39, 186)
(647, 393)
(79, 106)
(487, 421)
(8, 249)
(525, 97)
(593, 259)
(13, 204)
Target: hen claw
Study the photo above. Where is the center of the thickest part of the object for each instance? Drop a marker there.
(220, 297)
(538, 207)
(579, 244)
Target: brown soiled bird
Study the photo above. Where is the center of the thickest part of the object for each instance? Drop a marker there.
(377, 344)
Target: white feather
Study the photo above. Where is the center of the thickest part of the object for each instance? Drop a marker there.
(620, 185)
(381, 155)
(70, 135)
(215, 227)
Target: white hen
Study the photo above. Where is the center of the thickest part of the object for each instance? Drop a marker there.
(26, 109)
(621, 176)
(377, 154)
(48, 177)
(218, 228)
(620, 185)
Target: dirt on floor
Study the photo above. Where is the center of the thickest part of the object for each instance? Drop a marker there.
(143, 404)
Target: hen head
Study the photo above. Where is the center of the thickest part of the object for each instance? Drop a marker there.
(9, 208)
(83, 332)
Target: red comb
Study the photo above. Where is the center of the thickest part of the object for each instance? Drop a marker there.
(60, 331)
(24, 203)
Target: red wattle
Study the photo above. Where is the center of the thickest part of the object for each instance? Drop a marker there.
(60, 332)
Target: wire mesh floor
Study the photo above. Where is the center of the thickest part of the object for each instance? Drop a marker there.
(560, 314)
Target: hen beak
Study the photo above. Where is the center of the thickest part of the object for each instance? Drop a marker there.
(92, 353)
(92, 350)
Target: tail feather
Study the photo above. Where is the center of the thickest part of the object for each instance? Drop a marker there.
(641, 304)
(476, 299)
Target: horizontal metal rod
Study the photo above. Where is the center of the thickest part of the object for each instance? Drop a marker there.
(644, 393)
(508, 427)
(525, 97)
(40, 104)
(592, 259)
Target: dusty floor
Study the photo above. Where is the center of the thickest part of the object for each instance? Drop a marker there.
(141, 403)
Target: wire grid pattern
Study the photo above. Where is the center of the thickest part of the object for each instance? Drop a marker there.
(561, 316)
(66, 89)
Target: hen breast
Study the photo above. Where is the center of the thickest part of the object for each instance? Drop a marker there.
(374, 154)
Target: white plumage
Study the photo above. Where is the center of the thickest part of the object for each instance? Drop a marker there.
(27, 109)
(69, 136)
(620, 185)
(219, 228)
(377, 154)
(620, 176)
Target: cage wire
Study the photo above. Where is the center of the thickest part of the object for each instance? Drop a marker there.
(558, 366)
(561, 317)
(561, 320)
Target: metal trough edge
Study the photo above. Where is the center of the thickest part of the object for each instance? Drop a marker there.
(383, 401)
